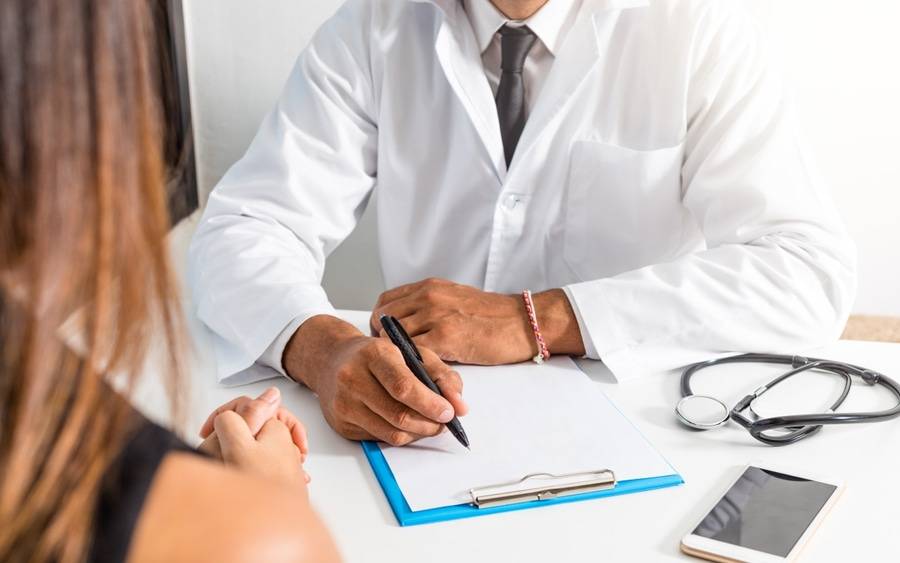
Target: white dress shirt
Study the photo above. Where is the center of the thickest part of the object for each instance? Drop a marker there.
(660, 180)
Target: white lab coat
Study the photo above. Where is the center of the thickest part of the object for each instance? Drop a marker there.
(660, 179)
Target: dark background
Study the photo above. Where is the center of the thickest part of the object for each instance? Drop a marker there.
(181, 171)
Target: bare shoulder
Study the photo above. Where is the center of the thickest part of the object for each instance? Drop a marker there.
(199, 510)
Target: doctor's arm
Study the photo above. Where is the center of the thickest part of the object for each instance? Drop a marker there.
(257, 259)
(778, 273)
(464, 324)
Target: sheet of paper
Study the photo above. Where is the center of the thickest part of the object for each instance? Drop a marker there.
(523, 419)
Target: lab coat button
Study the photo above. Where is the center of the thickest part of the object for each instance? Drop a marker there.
(510, 202)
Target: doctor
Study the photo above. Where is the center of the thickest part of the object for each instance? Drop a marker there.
(634, 163)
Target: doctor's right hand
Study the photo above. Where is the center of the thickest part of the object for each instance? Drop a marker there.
(365, 389)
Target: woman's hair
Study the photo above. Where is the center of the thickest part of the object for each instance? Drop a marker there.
(82, 244)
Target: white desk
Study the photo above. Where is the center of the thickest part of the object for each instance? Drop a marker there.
(864, 525)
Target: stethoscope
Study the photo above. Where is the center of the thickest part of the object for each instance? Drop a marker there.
(703, 412)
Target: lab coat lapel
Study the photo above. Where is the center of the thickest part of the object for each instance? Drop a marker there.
(459, 56)
(580, 53)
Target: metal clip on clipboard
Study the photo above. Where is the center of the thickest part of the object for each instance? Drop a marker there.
(542, 486)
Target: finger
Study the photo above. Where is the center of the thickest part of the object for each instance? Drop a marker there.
(391, 371)
(211, 447)
(448, 379)
(356, 433)
(242, 406)
(396, 413)
(234, 435)
(417, 323)
(275, 431)
(388, 297)
(429, 340)
(403, 307)
(397, 294)
(372, 424)
(296, 428)
(207, 427)
(258, 411)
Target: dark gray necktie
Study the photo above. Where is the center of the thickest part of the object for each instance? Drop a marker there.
(515, 42)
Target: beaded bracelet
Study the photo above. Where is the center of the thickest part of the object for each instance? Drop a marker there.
(543, 352)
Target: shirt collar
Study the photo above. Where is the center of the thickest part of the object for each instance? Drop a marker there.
(550, 23)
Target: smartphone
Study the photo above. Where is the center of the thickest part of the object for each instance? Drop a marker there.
(766, 516)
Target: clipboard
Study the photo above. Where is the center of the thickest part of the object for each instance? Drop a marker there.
(588, 449)
(528, 492)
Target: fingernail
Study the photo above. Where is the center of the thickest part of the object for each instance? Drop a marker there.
(446, 416)
(270, 395)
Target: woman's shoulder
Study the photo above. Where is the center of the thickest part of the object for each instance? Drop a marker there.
(200, 510)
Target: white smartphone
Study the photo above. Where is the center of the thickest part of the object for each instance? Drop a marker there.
(766, 516)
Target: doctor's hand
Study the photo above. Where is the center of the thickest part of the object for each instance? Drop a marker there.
(464, 324)
(365, 389)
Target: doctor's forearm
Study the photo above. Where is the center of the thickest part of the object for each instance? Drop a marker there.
(558, 323)
(308, 352)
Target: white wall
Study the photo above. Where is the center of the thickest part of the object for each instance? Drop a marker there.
(843, 60)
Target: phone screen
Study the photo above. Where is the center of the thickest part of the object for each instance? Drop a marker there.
(765, 511)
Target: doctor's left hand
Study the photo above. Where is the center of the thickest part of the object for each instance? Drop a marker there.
(464, 324)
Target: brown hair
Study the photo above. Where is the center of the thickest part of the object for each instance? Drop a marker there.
(82, 236)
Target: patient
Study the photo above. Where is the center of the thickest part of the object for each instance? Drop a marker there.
(82, 236)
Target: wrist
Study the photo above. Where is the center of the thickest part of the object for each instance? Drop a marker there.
(311, 348)
(558, 323)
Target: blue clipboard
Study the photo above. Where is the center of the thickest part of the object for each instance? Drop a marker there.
(407, 517)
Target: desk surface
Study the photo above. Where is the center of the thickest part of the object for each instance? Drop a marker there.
(639, 527)
(864, 525)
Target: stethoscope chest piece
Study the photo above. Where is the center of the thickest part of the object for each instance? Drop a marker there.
(702, 412)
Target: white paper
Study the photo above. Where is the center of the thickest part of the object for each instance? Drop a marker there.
(523, 419)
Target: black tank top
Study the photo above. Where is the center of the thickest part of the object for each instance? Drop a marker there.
(125, 487)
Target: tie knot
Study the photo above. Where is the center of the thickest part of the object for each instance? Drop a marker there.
(515, 43)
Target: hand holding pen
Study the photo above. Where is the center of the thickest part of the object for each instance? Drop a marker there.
(414, 362)
(365, 389)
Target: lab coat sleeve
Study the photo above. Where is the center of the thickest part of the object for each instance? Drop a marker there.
(257, 258)
(778, 271)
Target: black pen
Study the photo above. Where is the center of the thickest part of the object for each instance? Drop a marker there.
(414, 362)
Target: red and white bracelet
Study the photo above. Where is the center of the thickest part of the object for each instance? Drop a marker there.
(543, 353)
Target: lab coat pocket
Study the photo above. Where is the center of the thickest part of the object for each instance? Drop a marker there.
(623, 208)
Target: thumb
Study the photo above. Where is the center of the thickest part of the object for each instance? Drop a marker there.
(234, 435)
(258, 411)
